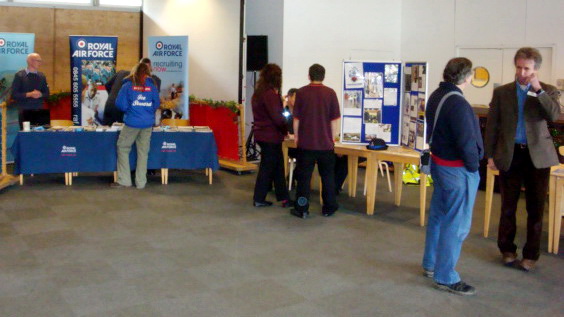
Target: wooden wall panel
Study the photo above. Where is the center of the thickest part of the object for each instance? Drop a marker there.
(124, 25)
(52, 28)
(40, 21)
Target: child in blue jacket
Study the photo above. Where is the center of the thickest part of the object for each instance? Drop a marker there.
(139, 99)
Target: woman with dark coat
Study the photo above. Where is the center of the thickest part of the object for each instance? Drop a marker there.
(269, 130)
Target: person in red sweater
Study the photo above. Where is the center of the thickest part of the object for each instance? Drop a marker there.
(316, 119)
(269, 129)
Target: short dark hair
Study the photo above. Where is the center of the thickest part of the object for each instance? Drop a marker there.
(457, 70)
(316, 72)
(292, 91)
(529, 53)
(145, 60)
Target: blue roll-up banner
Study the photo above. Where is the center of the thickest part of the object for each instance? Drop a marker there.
(93, 63)
(14, 48)
(169, 59)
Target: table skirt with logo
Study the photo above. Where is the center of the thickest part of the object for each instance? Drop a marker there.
(63, 152)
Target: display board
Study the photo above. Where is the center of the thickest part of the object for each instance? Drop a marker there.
(371, 101)
(414, 129)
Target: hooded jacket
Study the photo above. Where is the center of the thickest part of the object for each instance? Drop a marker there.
(139, 103)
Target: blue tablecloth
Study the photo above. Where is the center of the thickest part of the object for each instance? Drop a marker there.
(61, 152)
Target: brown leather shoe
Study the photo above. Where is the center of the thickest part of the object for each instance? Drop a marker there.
(509, 258)
(527, 265)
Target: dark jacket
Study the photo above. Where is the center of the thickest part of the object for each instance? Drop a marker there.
(139, 103)
(111, 112)
(502, 125)
(24, 83)
(269, 123)
(457, 135)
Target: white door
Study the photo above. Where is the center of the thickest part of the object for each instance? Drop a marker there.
(492, 60)
(499, 63)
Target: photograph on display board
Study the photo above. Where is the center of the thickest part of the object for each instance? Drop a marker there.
(421, 106)
(405, 130)
(413, 104)
(392, 73)
(354, 75)
(98, 72)
(372, 111)
(372, 116)
(351, 129)
(373, 85)
(415, 78)
(420, 135)
(421, 84)
(390, 96)
(407, 79)
(352, 103)
(378, 130)
(411, 137)
(406, 103)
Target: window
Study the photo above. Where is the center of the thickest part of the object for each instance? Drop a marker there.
(56, 1)
(122, 3)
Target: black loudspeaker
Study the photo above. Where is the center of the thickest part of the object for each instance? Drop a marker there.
(257, 52)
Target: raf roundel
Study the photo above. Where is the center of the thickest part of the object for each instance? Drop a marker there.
(81, 43)
(2, 42)
(159, 45)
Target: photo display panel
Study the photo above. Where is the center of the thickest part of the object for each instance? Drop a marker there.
(413, 127)
(371, 104)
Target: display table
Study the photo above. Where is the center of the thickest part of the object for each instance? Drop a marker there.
(397, 155)
(556, 181)
(73, 152)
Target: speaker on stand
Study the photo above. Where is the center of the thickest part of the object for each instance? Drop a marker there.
(257, 58)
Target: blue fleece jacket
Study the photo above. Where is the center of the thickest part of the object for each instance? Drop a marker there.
(139, 103)
(457, 135)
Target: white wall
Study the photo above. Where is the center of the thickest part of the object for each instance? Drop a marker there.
(213, 30)
(432, 30)
(330, 31)
(263, 17)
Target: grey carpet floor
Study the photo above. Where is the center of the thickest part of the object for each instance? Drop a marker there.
(191, 249)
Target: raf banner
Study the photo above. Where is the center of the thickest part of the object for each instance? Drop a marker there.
(14, 48)
(93, 62)
(169, 58)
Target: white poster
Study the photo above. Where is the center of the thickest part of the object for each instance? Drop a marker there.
(351, 129)
(373, 85)
(354, 75)
(390, 96)
(352, 102)
(378, 130)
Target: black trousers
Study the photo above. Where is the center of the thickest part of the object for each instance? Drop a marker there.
(341, 171)
(304, 169)
(535, 180)
(271, 169)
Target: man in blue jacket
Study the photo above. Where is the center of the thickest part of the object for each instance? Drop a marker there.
(138, 98)
(456, 147)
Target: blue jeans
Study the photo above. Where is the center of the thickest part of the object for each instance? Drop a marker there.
(450, 217)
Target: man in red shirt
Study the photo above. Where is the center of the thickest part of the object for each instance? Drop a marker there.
(316, 118)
